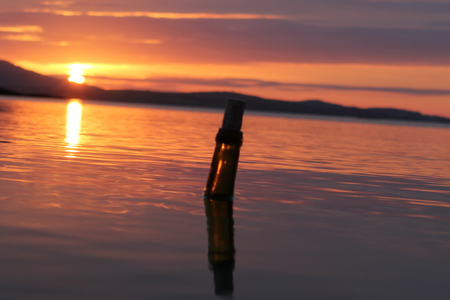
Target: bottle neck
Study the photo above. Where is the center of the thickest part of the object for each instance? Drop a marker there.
(229, 136)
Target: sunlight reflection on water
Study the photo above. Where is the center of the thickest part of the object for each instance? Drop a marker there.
(324, 209)
(73, 126)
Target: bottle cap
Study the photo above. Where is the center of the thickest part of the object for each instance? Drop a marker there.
(234, 112)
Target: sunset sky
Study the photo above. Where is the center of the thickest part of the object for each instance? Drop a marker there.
(366, 53)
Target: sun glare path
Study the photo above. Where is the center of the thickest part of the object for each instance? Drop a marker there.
(73, 126)
(76, 73)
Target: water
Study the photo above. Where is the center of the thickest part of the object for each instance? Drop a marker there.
(103, 201)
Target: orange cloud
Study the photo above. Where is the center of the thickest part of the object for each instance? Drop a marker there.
(235, 41)
(20, 29)
(57, 3)
(149, 42)
(157, 15)
(21, 37)
(61, 43)
(66, 13)
(120, 38)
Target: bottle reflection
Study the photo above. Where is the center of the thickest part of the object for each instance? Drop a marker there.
(221, 252)
(73, 126)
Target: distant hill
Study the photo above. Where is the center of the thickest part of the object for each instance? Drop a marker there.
(18, 81)
(8, 92)
(24, 82)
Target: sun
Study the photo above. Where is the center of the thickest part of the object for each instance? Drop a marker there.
(76, 73)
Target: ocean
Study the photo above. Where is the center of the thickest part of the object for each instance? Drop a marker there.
(103, 200)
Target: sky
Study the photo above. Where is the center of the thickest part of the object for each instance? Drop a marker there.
(365, 53)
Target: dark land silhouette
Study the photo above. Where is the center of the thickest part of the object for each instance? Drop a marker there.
(16, 81)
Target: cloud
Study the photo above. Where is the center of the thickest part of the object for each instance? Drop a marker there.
(282, 7)
(59, 44)
(153, 40)
(442, 25)
(24, 28)
(157, 15)
(21, 37)
(359, 13)
(149, 42)
(124, 39)
(57, 3)
(66, 13)
(246, 83)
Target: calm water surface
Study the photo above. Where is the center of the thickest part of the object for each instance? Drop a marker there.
(103, 201)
